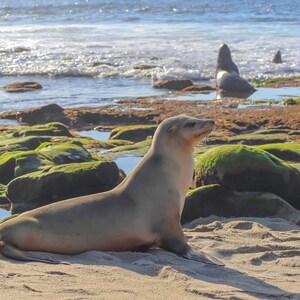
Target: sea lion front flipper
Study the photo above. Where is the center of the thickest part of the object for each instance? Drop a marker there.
(12, 252)
(202, 257)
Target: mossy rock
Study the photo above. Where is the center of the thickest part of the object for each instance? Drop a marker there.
(288, 152)
(3, 198)
(245, 168)
(49, 129)
(279, 81)
(258, 138)
(62, 182)
(134, 133)
(216, 200)
(63, 153)
(14, 164)
(137, 149)
(21, 143)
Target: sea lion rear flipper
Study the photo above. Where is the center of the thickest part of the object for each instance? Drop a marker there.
(202, 257)
(12, 252)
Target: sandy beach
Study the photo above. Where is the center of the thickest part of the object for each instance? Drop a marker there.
(261, 257)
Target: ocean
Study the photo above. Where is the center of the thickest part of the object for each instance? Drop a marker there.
(85, 52)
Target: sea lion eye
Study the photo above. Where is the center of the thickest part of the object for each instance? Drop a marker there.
(190, 124)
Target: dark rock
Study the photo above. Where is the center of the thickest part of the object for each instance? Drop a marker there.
(21, 87)
(42, 115)
(144, 67)
(216, 200)
(245, 168)
(173, 84)
(49, 129)
(134, 133)
(199, 88)
(62, 182)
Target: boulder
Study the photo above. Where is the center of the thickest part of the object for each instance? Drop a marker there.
(199, 88)
(63, 153)
(134, 133)
(42, 115)
(173, 84)
(285, 151)
(62, 182)
(216, 200)
(21, 87)
(14, 164)
(49, 129)
(245, 168)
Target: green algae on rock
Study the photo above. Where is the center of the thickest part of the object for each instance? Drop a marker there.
(14, 164)
(61, 182)
(245, 168)
(134, 133)
(3, 198)
(63, 153)
(216, 200)
(285, 151)
(49, 129)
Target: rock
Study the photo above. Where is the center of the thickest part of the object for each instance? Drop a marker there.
(21, 87)
(228, 76)
(173, 84)
(42, 115)
(15, 50)
(277, 57)
(62, 182)
(63, 153)
(144, 67)
(199, 88)
(245, 168)
(216, 200)
(285, 151)
(3, 199)
(14, 164)
(49, 129)
(134, 133)
(21, 143)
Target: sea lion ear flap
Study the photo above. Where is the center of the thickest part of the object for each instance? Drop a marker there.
(172, 128)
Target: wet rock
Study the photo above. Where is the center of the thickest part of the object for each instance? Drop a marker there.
(134, 133)
(3, 199)
(21, 87)
(245, 168)
(62, 182)
(67, 152)
(8, 144)
(199, 88)
(277, 57)
(14, 164)
(49, 129)
(173, 84)
(144, 67)
(285, 151)
(216, 200)
(42, 115)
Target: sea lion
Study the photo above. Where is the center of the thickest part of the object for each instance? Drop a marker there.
(144, 210)
(277, 57)
(227, 74)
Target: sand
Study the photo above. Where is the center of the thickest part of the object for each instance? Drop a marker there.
(262, 258)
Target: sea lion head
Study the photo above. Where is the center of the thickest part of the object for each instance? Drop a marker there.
(224, 61)
(183, 130)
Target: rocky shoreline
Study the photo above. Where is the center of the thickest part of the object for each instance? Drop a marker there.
(46, 149)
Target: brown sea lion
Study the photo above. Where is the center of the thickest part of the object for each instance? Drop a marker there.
(144, 210)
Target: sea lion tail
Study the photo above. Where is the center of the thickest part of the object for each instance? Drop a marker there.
(12, 252)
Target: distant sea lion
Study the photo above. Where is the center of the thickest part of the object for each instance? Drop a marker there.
(277, 57)
(227, 74)
(144, 210)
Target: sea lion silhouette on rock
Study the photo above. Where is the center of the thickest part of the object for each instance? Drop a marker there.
(144, 210)
(277, 57)
(227, 74)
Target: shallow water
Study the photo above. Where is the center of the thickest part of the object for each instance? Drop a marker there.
(95, 134)
(127, 163)
(179, 38)
(4, 214)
